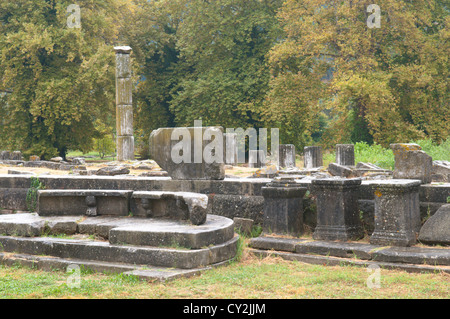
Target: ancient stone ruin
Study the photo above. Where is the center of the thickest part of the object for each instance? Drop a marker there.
(161, 227)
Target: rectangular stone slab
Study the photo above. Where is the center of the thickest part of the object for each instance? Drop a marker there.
(74, 202)
(186, 157)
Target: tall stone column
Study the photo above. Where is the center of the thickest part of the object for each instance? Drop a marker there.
(124, 105)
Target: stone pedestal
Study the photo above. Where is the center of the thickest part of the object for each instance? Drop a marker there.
(283, 207)
(124, 105)
(345, 154)
(286, 156)
(256, 159)
(312, 157)
(397, 212)
(337, 209)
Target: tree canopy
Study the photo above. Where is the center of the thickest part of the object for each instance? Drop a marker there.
(315, 69)
(60, 79)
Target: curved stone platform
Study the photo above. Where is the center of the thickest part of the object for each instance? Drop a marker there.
(130, 241)
(215, 230)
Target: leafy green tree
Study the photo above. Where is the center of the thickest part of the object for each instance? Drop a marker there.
(223, 46)
(391, 82)
(61, 77)
(201, 60)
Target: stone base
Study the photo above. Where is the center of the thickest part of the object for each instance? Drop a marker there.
(338, 233)
(393, 238)
(412, 259)
(135, 241)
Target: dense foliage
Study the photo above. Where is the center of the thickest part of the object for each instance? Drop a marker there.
(312, 68)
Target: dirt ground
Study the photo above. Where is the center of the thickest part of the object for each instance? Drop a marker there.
(239, 171)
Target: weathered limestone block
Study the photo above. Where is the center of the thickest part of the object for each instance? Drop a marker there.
(436, 230)
(112, 171)
(411, 162)
(243, 225)
(78, 161)
(337, 209)
(16, 172)
(23, 225)
(397, 212)
(371, 170)
(286, 156)
(197, 155)
(313, 157)
(345, 154)
(16, 156)
(441, 171)
(269, 171)
(171, 205)
(5, 155)
(340, 170)
(283, 207)
(83, 202)
(34, 158)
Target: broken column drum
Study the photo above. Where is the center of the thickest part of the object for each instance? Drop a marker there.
(286, 155)
(124, 105)
(397, 212)
(337, 209)
(312, 156)
(345, 154)
(283, 207)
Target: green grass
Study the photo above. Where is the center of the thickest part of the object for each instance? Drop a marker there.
(248, 278)
(96, 156)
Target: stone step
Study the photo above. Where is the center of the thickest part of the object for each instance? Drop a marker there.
(124, 230)
(338, 261)
(149, 273)
(215, 231)
(353, 250)
(105, 252)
